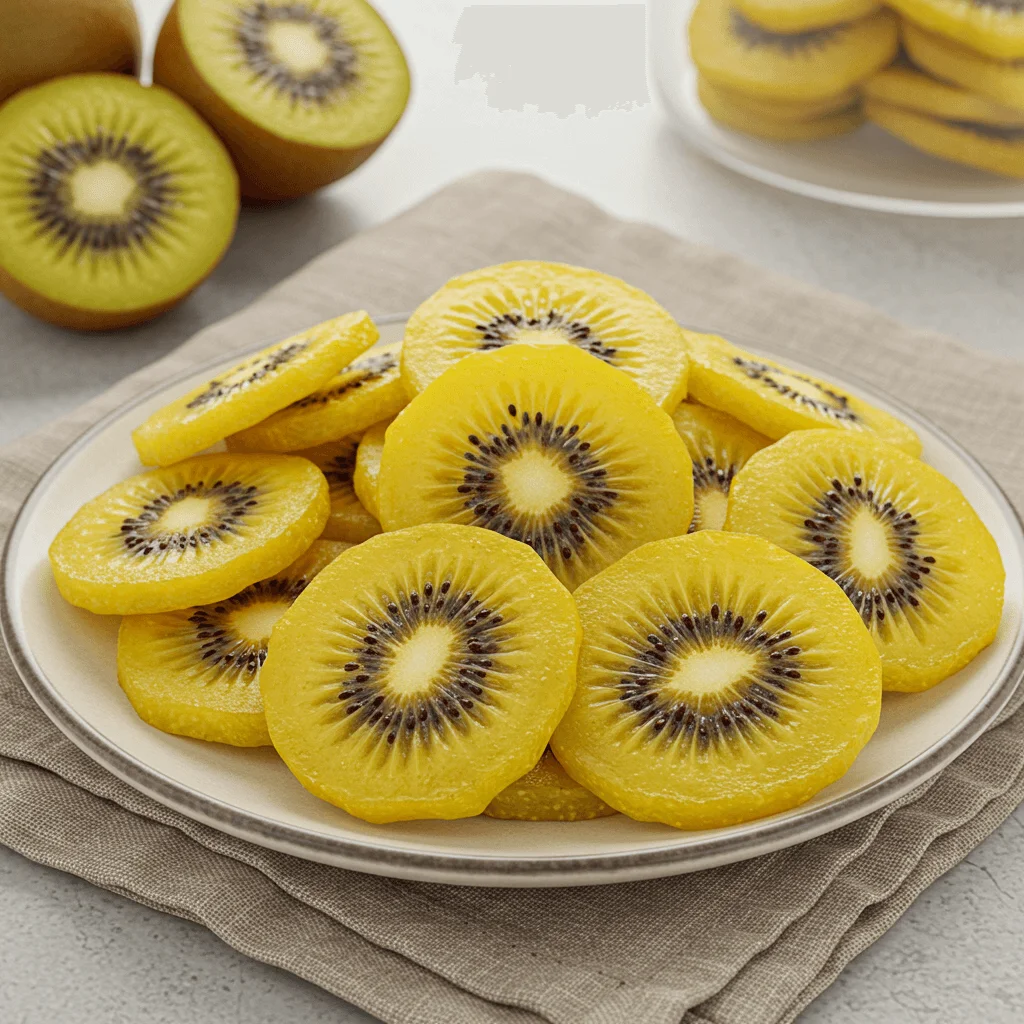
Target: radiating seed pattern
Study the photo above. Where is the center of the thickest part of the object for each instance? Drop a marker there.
(504, 329)
(339, 470)
(363, 372)
(708, 476)
(246, 376)
(823, 400)
(755, 35)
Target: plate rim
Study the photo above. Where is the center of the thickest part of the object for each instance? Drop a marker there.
(757, 838)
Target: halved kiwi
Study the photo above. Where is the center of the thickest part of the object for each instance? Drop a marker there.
(195, 672)
(912, 556)
(348, 520)
(252, 389)
(421, 673)
(773, 399)
(721, 679)
(992, 27)
(194, 533)
(365, 391)
(789, 16)
(366, 478)
(547, 304)
(301, 92)
(116, 201)
(546, 445)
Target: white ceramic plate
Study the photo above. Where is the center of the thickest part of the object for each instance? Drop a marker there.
(66, 658)
(869, 168)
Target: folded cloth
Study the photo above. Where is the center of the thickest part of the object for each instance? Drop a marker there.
(750, 943)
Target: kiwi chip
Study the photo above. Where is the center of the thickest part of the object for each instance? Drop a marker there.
(994, 28)
(721, 679)
(775, 109)
(547, 304)
(774, 399)
(791, 16)
(252, 389)
(366, 391)
(195, 672)
(348, 520)
(533, 442)
(421, 673)
(366, 478)
(116, 201)
(194, 533)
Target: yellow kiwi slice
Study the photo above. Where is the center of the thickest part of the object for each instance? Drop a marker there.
(780, 110)
(547, 793)
(348, 520)
(721, 679)
(774, 399)
(547, 304)
(252, 389)
(194, 533)
(301, 92)
(999, 80)
(366, 477)
(421, 673)
(116, 201)
(917, 563)
(367, 390)
(994, 28)
(985, 146)
(789, 16)
(780, 129)
(719, 446)
(195, 672)
(731, 50)
(546, 445)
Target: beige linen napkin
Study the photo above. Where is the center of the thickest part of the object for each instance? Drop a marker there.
(752, 943)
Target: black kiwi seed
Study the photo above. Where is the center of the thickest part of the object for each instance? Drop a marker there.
(900, 586)
(503, 330)
(708, 476)
(831, 403)
(340, 468)
(460, 690)
(257, 370)
(141, 534)
(648, 705)
(369, 369)
(755, 35)
(317, 87)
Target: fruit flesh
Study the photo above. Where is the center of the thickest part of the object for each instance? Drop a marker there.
(782, 110)
(805, 15)
(366, 478)
(348, 520)
(547, 793)
(991, 27)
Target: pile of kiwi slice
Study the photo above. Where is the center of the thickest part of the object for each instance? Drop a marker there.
(550, 558)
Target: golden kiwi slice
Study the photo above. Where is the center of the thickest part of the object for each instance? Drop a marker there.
(547, 304)
(195, 672)
(366, 477)
(116, 201)
(367, 390)
(546, 445)
(193, 533)
(720, 679)
(348, 520)
(252, 389)
(780, 110)
(774, 400)
(991, 27)
(789, 16)
(912, 556)
(421, 673)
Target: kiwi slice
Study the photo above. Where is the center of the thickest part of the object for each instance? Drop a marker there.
(790, 16)
(348, 520)
(365, 391)
(719, 446)
(366, 477)
(547, 793)
(974, 144)
(116, 201)
(195, 672)
(194, 533)
(421, 673)
(780, 129)
(721, 679)
(546, 445)
(994, 28)
(547, 304)
(731, 50)
(302, 92)
(912, 556)
(780, 110)
(252, 389)
(774, 399)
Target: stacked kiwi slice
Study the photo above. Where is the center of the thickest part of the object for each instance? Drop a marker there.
(550, 558)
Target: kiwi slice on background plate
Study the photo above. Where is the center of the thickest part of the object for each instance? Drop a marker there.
(991, 27)
(301, 92)
(116, 201)
(791, 16)
(546, 445)
(721, 679)
(194, 533)
(719, 446)
(912, 556)
(547, 304)
(774, 400)
(252, 389)
(348, 520)
(421, 673)
(366, 478)
(547, 793)
(365, 391)
(775, 110)
(195, 672)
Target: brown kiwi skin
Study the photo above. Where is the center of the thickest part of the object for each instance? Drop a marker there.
(270, 169)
